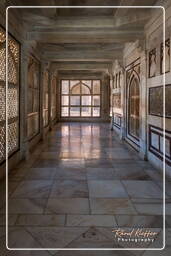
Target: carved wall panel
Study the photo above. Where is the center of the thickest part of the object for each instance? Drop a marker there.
(167, 57)
(13, 94)
(33, 116)
(117, 100)
(152, 63)
(156, 143)
(117, 120)
(156, 101)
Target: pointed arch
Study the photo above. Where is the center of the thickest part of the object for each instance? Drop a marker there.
(134, 106)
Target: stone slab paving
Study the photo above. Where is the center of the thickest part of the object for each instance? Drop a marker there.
(80, 184)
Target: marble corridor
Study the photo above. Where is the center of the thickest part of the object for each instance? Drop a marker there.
(80, 184)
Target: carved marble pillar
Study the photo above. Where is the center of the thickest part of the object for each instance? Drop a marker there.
(111, 100)
(58, 99)
(143, 106)
(105, 97)
(43, 68)
(24, 144)
(49, 98)
(124, 105)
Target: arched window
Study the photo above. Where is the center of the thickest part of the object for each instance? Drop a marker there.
(76, 89)
(133, 108)
(80, 98)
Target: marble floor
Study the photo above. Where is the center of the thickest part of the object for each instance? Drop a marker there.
(80, 185)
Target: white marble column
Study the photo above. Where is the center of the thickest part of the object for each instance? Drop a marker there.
(105, 97)
(49, 97)
(143, 106)
(42, 69)
(123, 104)
(24, 145)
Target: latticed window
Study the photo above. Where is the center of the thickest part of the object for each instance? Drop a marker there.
(80, 98)
(13, 94)
(45, 98)
(33, 116)
(53, 98)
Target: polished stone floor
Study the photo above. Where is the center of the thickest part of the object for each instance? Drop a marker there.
(80, 184)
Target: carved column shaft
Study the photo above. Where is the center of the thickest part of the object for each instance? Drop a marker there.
(24, 146)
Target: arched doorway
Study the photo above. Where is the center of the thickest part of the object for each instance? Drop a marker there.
(133, 109)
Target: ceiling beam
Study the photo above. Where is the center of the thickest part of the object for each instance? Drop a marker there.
(85, 37)
(81, 66)
(37, 22)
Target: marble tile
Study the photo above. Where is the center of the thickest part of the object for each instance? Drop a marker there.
(17, 174)
(139, 221)
(40, 174)
(55, 237)
(56, 210)
(49, 156)
(40, 220)
(154, 174)
(94, 154)
(91, 220)
(95, 163)
(142, 189)
(69, 188)
(20, 238)
(26, 206)
(167, 187)
(106, 188)
(148, 206)
(44, 163)
(71, 173)
(100, 173)
(111, 206)
(92, 238)
(119, 155)
(134, 173)
(127, 166)
(70, 155)
(68, 206)
(33, 189)
(11, 219)
(12, 185)
(71, 163)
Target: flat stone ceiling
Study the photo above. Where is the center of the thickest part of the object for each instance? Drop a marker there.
(83, 35)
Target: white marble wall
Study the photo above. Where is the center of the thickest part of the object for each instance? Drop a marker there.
(154, 39)
(148, 78)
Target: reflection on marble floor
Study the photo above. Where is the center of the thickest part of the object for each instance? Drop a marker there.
(79, 185)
